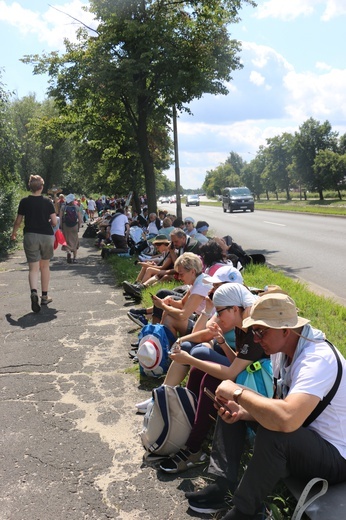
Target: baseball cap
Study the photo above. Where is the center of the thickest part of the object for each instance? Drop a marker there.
(275, 311)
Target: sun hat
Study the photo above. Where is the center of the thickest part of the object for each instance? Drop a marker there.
(69, 198)
(226, 273)
(275, 311)
(189, 219)
(230, 294)
(160, 239)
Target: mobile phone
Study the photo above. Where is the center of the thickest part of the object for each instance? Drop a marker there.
(215, 401)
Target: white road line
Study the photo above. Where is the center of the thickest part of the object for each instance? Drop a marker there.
(274, 223)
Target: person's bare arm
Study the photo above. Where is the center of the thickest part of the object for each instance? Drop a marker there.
(283, 415)
(16, 226)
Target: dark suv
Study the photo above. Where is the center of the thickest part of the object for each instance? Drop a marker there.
(239, 199)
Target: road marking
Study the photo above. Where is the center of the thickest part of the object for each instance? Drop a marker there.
(274, 223)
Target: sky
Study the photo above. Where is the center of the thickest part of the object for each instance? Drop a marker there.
(294, 68)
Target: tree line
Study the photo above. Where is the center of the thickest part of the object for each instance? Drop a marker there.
(311, 159)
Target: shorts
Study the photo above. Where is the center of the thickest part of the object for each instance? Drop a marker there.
(38, 247)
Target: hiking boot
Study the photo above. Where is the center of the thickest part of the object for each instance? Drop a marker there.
(35, 306)
(45, 300)
(183, 460)
(138, 319)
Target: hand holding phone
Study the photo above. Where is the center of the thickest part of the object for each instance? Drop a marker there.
(215, 401)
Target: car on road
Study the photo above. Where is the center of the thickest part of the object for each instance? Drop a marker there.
(173, 199)
(192, 200)
(164, 199)
(237, 199)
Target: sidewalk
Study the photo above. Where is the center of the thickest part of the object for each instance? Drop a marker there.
(69, 442)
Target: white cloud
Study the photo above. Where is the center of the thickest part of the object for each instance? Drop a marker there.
(286, 10)
(50, 27)
(256, 78)
(333, 9)
(314, 95)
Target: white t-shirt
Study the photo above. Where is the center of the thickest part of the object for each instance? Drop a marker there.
(202, 289)
(314, 372)
(118, 225)
(91, 205)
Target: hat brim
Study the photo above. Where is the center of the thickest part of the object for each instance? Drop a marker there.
(275, 324)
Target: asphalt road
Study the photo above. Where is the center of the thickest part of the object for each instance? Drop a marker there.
(310, 247)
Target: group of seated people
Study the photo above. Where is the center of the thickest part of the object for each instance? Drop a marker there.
(221, 327)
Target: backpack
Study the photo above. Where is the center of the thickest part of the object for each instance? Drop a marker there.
(259, 377)
(70, 216)
(90, 232)
(169, 419)
(154, 344)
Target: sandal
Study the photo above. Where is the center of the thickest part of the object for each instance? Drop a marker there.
(182, 461)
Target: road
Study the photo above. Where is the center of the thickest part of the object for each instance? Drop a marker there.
(310, 247)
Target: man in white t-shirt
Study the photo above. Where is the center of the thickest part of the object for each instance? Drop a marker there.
(296, 434)
(120, 230)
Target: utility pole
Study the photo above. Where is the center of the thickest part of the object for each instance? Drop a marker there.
(176, 161)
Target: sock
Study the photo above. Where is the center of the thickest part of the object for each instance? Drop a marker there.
(33, 291)
(44, 293)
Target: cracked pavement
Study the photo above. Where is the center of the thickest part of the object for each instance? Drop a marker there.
(69, 443)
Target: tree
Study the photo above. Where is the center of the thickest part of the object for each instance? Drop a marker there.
(146, 57)
(312, 138)
(279, 157)
(330, 169)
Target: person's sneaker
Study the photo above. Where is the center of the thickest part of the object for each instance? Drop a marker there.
(35, 306)
(133, 288)
(142, 407)
(183, 460)
(133, 353)
(210, 507)
(45, 300)
(138, 319)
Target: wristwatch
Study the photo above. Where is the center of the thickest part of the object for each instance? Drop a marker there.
(237, 393)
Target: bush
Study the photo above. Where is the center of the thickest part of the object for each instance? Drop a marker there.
(9, 198)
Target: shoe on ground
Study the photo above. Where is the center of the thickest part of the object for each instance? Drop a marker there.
(183, 460)
(69, 258)
(133, 353)
(138, 319)
(35, 306)
(142, 407)
(133, 289)
(210, 507)
(135, 344)
(142, 311)
(45, 300)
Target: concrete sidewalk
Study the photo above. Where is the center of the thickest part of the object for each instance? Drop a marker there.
(69, 443)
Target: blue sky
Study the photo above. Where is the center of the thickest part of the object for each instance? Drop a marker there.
(294, 68)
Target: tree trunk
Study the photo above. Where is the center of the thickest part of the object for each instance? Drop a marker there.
(320, 192)
(147, 160)
(288, 195)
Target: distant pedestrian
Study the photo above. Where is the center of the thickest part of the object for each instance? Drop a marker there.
(91, 208)
(39, 219)
(71, 221)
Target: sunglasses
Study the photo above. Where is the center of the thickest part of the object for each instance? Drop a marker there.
(259, 333)
(221, 310)
(188, 222)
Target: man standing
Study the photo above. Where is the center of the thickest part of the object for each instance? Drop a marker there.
(39, 217)
(303, 433)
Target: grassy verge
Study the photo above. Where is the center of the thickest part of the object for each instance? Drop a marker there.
(317, 207)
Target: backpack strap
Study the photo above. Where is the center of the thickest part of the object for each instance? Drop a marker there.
(185, 403)
(159, 394)
(327, 398)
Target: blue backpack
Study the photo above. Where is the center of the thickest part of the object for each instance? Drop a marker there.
(154, 344)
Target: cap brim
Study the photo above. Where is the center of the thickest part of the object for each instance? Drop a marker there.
(274, 324)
